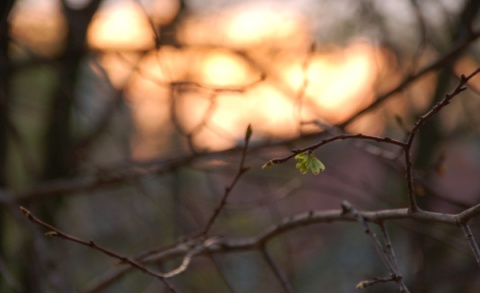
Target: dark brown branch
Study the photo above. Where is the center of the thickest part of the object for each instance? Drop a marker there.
(54, 232)
(367, 283)
(461, 86)
(55, 188)
(335, 138)
(420, 122)
(112, 176)
(241, 170)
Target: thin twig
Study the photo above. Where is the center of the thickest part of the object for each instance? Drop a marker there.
(385, 252)
(220, 270)
(241, 170)
(390, 253)
(335, 138)
(234, 245)
(406, 146)
(206, 116)
(388, 247)
(471, 241)
(446, 58)
(349, 209)
(418, 124)
(300, 96)
(282, 278)
(54, 232)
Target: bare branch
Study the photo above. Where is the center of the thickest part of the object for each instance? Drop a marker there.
(446, 58)
(241, 170)
(385, 253)
(420, 122)
(471, 242)
(233, 245)
(335, 138)
(277, 271)
(54, 232)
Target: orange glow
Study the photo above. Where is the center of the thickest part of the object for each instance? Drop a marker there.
(118, 67)
(121, 27)
(247, 25)
(162, 11)
(226, 48)
(339, 82)
(254, 23)
(221, 68)
(264, 107)
(465, 66)
(39, 26)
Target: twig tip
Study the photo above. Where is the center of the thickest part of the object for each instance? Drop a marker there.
(248, 132)
(25, 212)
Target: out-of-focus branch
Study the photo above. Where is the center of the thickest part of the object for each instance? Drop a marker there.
(138, 169)
(455, 50)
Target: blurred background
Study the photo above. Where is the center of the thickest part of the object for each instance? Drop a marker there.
(122, 122)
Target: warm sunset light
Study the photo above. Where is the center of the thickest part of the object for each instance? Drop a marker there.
(254, 24)
(40, 26)
(221, 68)
(266, 108)
(121, 27)
(340, 80)
(246, 25)
(224, 145)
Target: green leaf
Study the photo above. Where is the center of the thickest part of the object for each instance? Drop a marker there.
(308, 162)
(269, 165)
